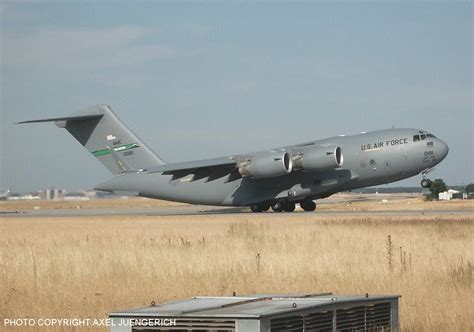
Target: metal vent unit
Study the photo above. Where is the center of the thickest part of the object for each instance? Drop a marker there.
(183, 324)
(270, 312)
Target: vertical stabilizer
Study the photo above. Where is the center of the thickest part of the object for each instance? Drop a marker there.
(102, 133)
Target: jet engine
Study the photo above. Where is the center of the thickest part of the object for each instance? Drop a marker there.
(268, 165)
(319, 158)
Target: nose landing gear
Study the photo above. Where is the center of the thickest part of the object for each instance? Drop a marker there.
(426, 183)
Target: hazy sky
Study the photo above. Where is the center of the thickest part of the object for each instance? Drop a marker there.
(204, 80)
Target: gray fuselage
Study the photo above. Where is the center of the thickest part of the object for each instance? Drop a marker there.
(369, 159)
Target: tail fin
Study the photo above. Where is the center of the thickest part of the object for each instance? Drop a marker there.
(101, 132)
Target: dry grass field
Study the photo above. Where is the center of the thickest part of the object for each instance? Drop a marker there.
(85, 204)
(388, 202)
(339, 202)
(87, 267)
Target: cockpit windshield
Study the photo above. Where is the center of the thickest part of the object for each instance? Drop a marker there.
(422, 137)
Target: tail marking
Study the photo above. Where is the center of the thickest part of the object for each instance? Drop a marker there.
(119, 148)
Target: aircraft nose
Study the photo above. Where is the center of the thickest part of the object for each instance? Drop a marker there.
(443, 149)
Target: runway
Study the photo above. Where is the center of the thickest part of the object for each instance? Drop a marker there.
(189, 210)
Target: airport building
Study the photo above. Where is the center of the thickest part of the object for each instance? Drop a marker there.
(52, 193)
(451, 194)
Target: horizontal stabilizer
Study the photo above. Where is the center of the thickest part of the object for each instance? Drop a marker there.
(69, 118)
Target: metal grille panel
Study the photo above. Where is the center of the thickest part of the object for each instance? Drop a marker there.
(292, 323)
(319, 321)
(351, 319)
(378, 316)
(371, 317)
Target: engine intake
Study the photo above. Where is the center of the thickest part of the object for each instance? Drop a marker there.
(268, 165)
(319, 158)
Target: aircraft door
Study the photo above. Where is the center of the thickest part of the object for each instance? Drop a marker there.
(398, 162)
(387, 164)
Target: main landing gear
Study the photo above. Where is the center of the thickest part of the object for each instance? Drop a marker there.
(261, 207)
(308, 205)
(283, 206)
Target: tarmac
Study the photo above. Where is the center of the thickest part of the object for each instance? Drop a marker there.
(189, 210)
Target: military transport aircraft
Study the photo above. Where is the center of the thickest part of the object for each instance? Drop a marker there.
(278, 178)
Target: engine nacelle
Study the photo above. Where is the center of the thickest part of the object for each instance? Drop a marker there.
(319, 158)
(268, 165)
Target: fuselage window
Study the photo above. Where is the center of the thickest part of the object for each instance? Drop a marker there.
(416, 138)
(423, 137)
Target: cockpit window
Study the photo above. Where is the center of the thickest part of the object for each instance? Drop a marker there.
(430, 136)
(423, 137)
(416, 138)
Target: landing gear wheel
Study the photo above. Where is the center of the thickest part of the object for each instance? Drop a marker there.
(265, 206)
(277, 207)
(426, 183)
(256, 208)
(308, 205)
(289, 207)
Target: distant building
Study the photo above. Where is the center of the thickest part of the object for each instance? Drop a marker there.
(5, 195)
(52, 193)
(451, 194)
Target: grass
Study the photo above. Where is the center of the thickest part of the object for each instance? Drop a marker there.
(120, 202)
(338, 202)
(87, 267)
(389, 202)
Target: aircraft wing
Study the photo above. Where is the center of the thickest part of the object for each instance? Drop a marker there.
(209, 168)
(192, 165)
